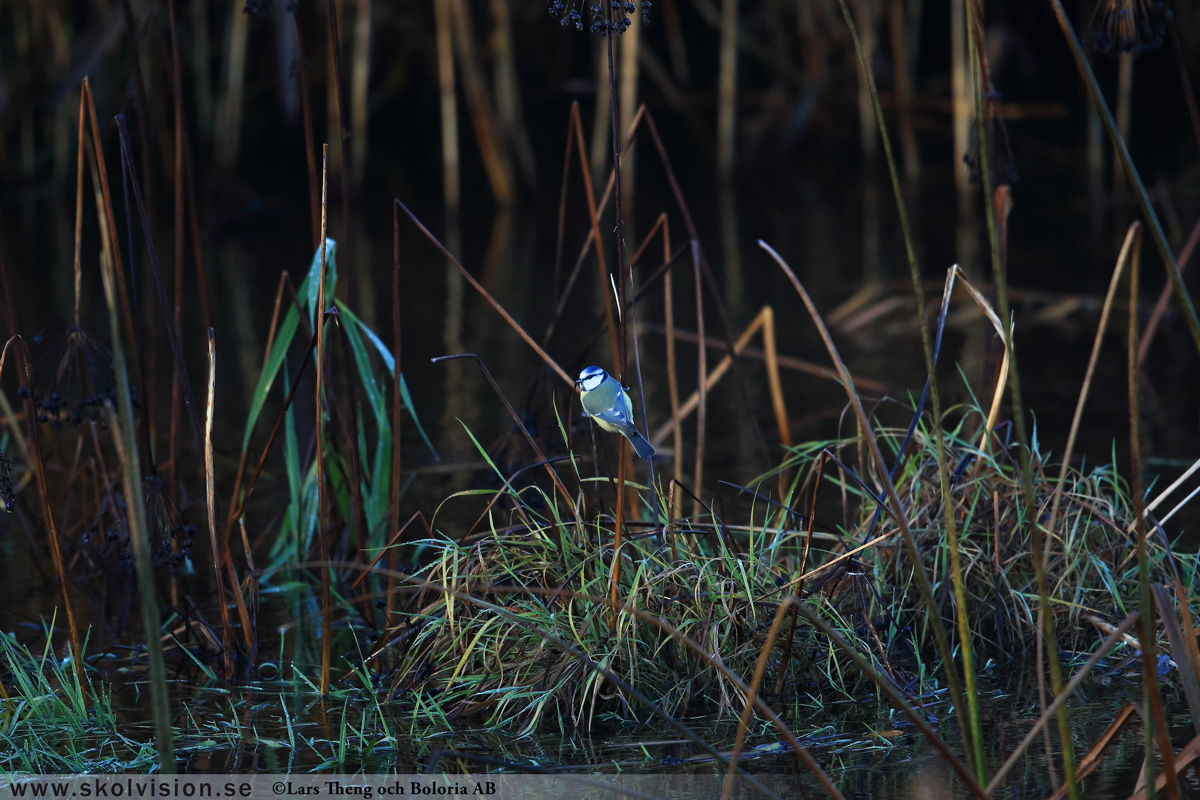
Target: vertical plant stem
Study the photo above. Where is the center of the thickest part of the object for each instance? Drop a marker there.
(343, 164)
(999, 270)
(701, 379)
(672, 376)
(971, 732)
(177, 99)
(135, 504)
(442, 14)
(322, 494)
(210, 492)
(726, 93)
(1153, 718)
(1124, 110)
(397, 400)
(360, 74)
(44, 490)
(310, 147)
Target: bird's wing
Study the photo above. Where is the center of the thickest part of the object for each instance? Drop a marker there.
(615, 415)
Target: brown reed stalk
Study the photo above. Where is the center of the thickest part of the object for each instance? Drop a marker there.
(443, 15)
(786, 660)
(360, 74)
(140, 105)
(1164, 297)
(760, 669)
(177, 101)
(512, 323)
(194, 231)
(1133, 241)
(322, 493)
(25, 376)
(727, 90)
(931, 605)
(310, 146)
(618, 533)
(210, 494)
(397, 401)
(356, 470)
(108, 224)
(701, 380)
(229, 107)
(496, 160)
(335, 49)
(764, 321)
(672, 372)
(594, 216)
(181, 373)
(1147, 633)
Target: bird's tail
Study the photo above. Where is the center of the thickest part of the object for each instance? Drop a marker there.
(642, 447)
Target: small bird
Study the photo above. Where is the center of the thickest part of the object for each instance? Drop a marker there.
(608, 404)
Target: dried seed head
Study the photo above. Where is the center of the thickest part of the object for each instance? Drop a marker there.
(1129, 26)
(75, 381)
(601, 19)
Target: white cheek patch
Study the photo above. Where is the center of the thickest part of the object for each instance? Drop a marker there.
(591, 382)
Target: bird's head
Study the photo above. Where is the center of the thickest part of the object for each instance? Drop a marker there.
(590, 378)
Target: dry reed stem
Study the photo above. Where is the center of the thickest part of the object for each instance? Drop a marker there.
(397, 400)
(172, 330)
(210, 494)
(727, 90)
(1183, 759)
(672, 371)
(618, 531)
(702, 378)
(443, 21)
(1157, 722)
(26, 378)
(496, 161)
(760, 669)
(932, 607)
(1164, 297)
(342, 164)
(359, 86)
(1133, 240)
(108, 221)
(1117, 634)
(550, 362)
(990, 313)
(1094, 757)
(227, 129)
(594, 216)
(177, 102)
(792, 363)
(763, 321)
(322, 493)
(310, 147)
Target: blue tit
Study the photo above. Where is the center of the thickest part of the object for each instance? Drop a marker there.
(608, 404)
